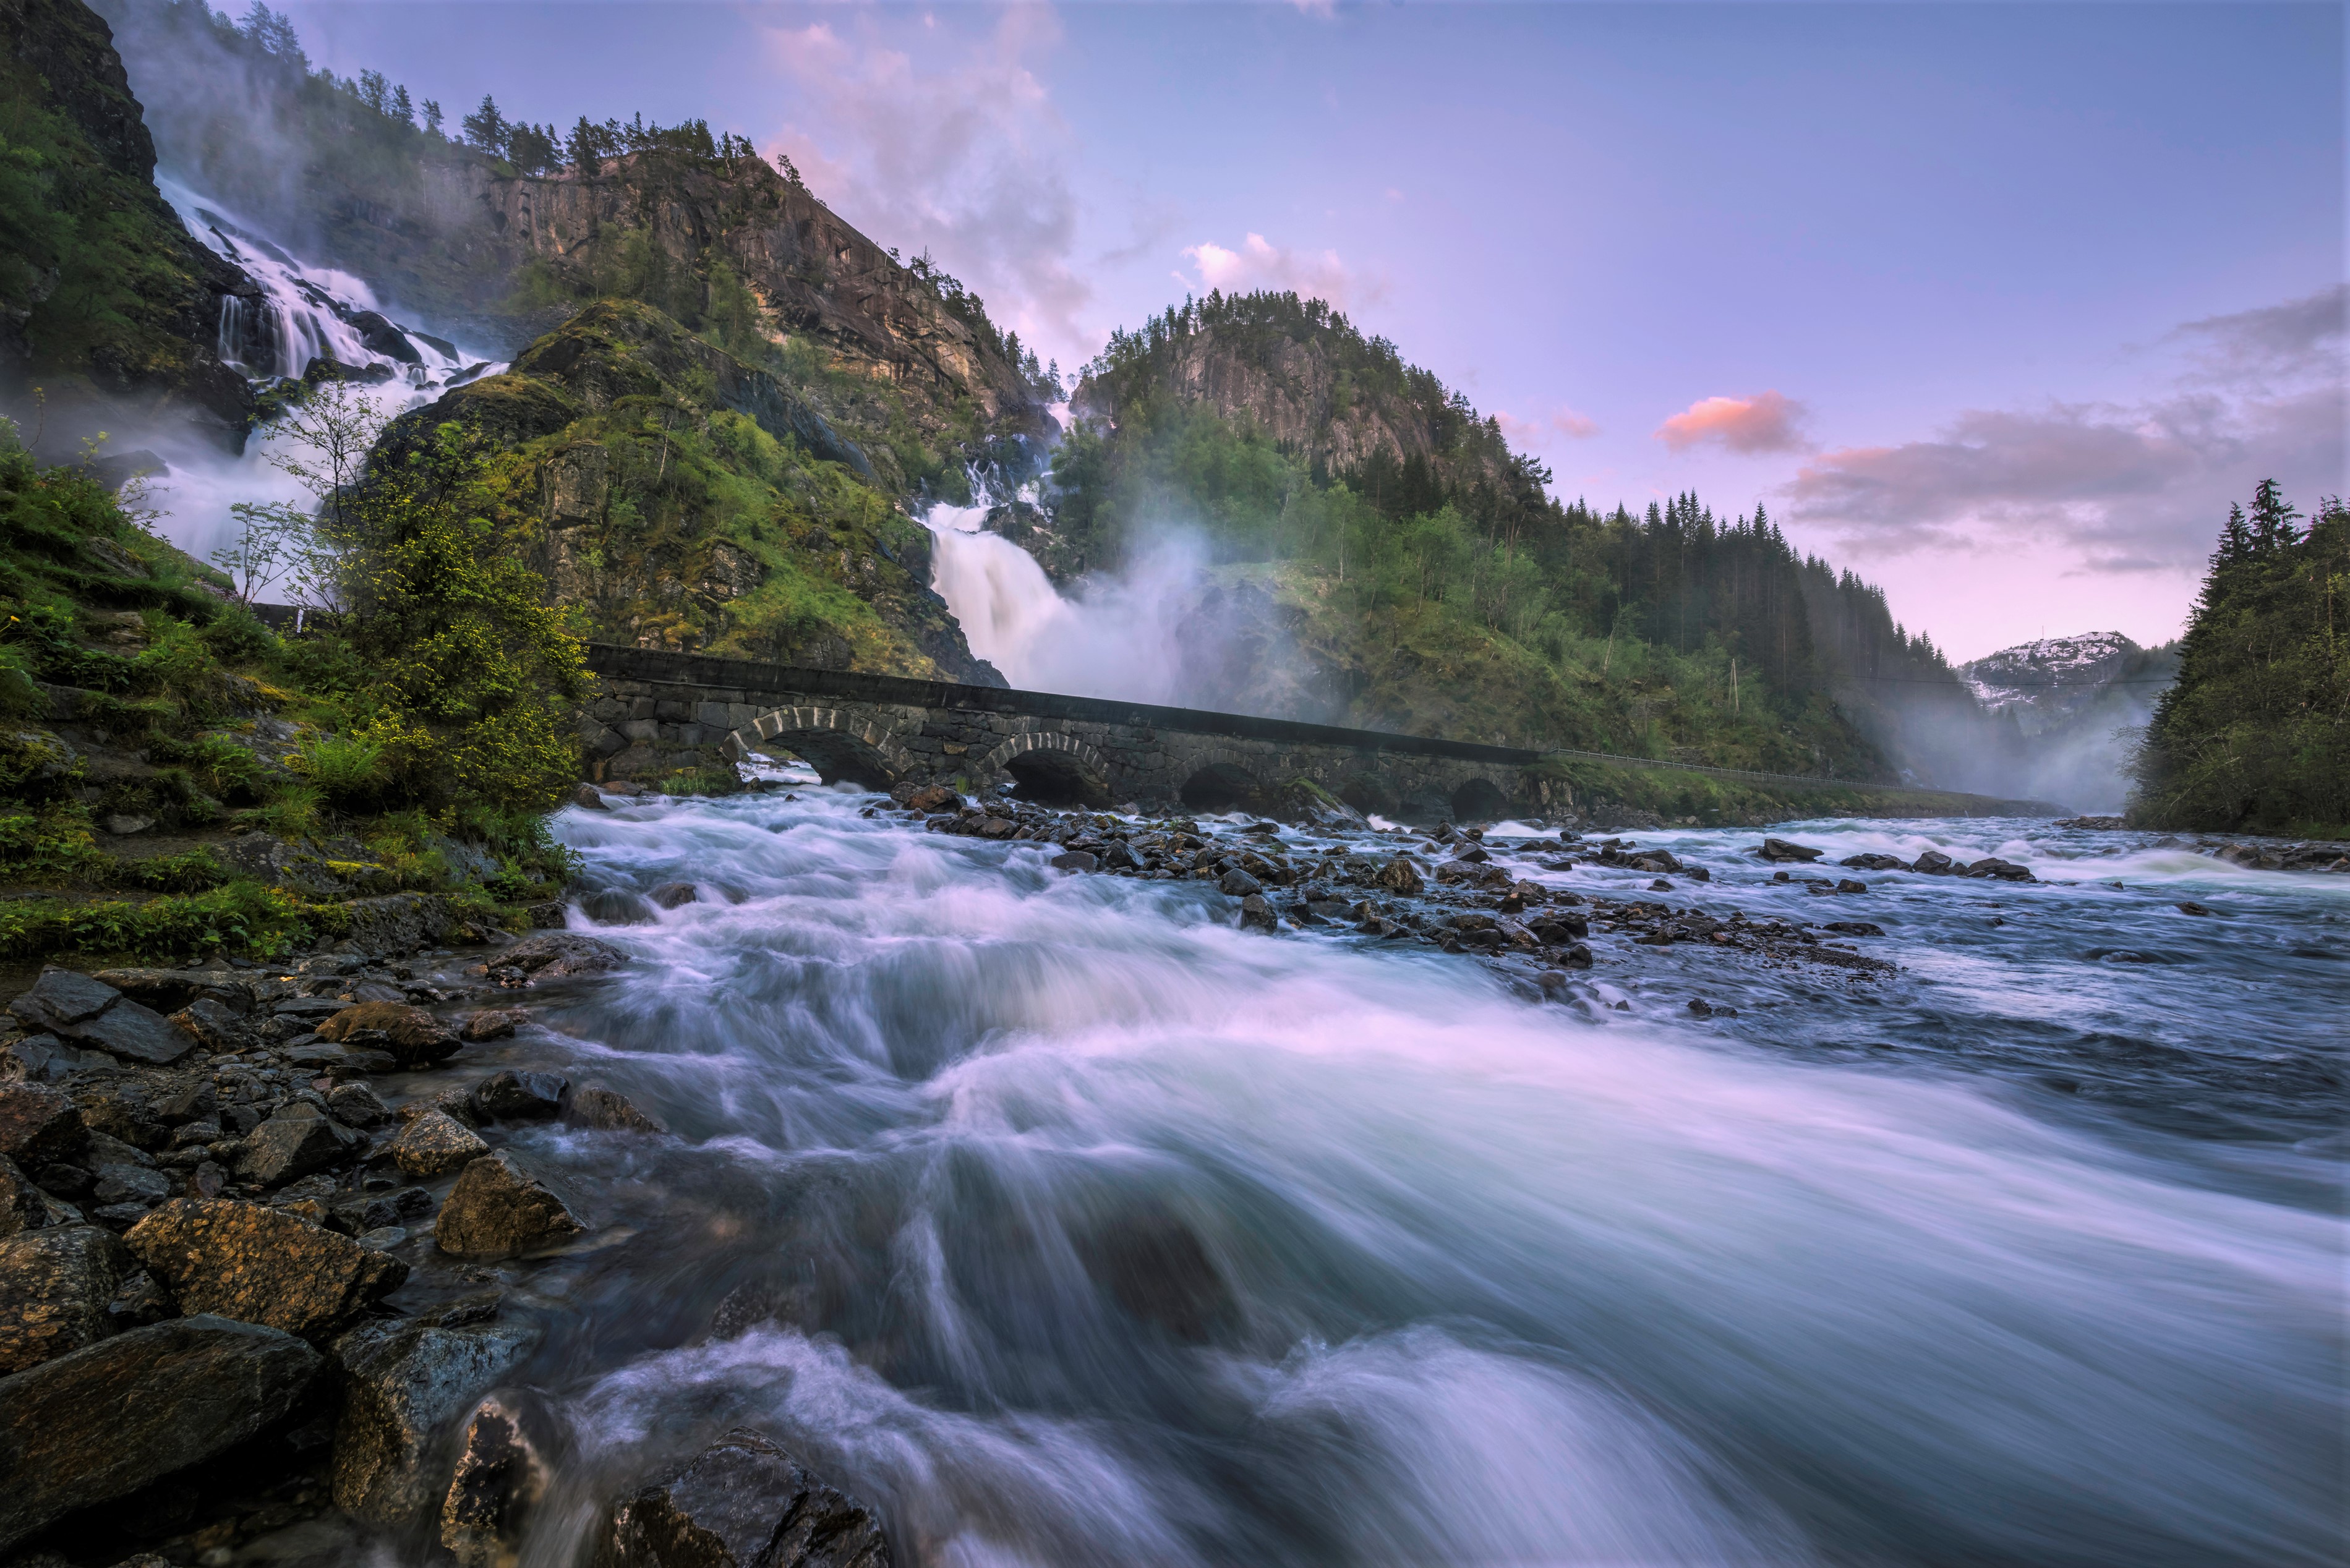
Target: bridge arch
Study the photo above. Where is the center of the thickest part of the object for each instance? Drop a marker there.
(1478, 799)
(1218, 779)
(843, 747)
(1052, 768)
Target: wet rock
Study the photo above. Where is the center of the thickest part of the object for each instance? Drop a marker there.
(1781, 849)
(1151, 1261)
(25, 1207)
(124, 1183)
(1851, 885)
(1577, 957)
(170, 990)
(1934, 863)
(1075, 860)
(617, 907)
(1654, 860)
(215, 1025)
(675, 895)
(1853, 927)
(38, 1124)
(403, 1385)
(588, 797)
(54, 1285)
(502, 1474)
(1875, 863)
(512, 1096)
(412, 1036)
(504, 1205)
(45, 1059)
(115, 1416)
(1554, 929)
(435, 1144)
(295, 1141)
(140, 1299)
(261, 1265)
(1119, 856)
(493, 1024)
(926, 798)
(1257, 915)
(2190, 908)
(61, 997)
(192, 1099)
(745, 1501)
(355, 1105)
(554, 955)
(77, 1007)
(1991, 865)
(606, 1109)
(1239, 884)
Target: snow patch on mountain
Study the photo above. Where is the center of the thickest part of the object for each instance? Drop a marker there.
(2051, 671)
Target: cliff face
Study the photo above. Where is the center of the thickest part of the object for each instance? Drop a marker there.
(106, 302)
(680, 498)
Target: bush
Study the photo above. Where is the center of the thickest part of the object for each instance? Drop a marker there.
(242, 916)
(348, 769)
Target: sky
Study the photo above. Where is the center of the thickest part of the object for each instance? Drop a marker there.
(1999, 304)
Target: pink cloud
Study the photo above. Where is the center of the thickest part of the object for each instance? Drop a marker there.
(1562, 424)
(1260, 264)
(1763, 422)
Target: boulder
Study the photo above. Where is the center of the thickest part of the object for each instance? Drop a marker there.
(113, 1417)
(261, 1265)
(493, 1024)
(1077, 860)
(215, 1025)
(743, 1501)
(505, 1204)
(355, 1105)
(1934, 863)
(23, 1206)
(1256, 914)
(588, 797)
(170, 990)
(295, 1141)
(501, 1473)
(514, 1095)
(1875, 863)
(606, 1109)
(1117, 855)
(404, 1385)
(2003, 870)
(61, 997)
(435, 1144)
(674, 894)
(38, 1124)
(413, 1037)
(553, 954)
(1239, 884)
(55, 1284)
(1780, 849)
(1402, 874)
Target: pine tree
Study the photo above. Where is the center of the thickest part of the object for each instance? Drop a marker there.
(433, 116)
(486, 128)
(404, 109)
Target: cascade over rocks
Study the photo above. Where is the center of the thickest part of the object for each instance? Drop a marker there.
(403, 1384)
(501, 1473)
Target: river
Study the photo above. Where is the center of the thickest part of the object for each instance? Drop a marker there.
(1097, 1229)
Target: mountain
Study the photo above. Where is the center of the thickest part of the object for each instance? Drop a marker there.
(1380, 555)
(2078, 706)
(106, 302)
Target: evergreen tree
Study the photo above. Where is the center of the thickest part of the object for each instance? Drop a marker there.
(402, 108)
(486, 128)
(433, 116)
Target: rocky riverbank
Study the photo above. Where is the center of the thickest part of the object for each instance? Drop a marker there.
(214, 1184)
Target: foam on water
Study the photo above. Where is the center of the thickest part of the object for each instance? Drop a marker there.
(1111, 1232)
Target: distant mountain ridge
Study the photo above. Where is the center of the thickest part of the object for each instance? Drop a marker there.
(2051, 677)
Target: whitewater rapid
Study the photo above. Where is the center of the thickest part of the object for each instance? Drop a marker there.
(1101, 1230)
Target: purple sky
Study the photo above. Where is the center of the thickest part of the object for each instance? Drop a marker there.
(1999, 304)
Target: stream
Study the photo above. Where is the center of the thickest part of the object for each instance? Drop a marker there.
(1067, 1222)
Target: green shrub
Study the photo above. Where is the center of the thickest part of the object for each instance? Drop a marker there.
(348, 769)
(242, 916)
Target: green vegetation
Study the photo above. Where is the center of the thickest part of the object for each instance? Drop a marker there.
(2255, 735)
(153, 726)
(1455, 595)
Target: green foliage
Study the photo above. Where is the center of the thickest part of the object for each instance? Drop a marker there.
(242, 916)
(2255, 734)
(347, 770)
(473, 679)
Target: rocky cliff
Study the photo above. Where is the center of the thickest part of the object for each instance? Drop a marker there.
(680, 498)
(107, 305)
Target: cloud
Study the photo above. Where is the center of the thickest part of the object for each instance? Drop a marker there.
(958, 151)
(1561, 424)
(2299, 337)
(2125, 487)
(1261, 264)
(1764, 422)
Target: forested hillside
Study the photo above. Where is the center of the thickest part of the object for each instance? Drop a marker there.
(2255, 735)
(1423, 564)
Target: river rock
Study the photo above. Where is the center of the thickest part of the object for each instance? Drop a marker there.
(295, 1141)
(115, 1416)
(215, 1025)
(1077, 860)
(25, 1207)
(261, 1265)
(61, 997)
(1402, 874)
(607, 1109)
(1780, 849)
(743, 1501)
(55, 1284)
(38, 1124)
(501, 1473)
(1239, 884)
(1875, 863)
(435, 1144)
(404, 1384)
(413, 1037)
(553, 954)
(1934, 863)
(355, 1105)
(925, 798)
(1257, 915)
(505, 1204)
(2003, 870)
(514, 1096)
(493, 1024)
(170, 990)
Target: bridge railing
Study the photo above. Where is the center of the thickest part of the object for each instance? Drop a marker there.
(662, 667)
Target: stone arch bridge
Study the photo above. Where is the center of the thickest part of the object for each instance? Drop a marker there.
(663, 712)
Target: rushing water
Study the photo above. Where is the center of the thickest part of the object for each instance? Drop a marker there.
(1102, 1231)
